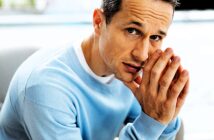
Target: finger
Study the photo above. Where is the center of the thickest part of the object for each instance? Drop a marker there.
(184, 92)
(178, 73)
(148, 66)
(168, 76)
(180, 69)
(168, 64)
(134, 86)
(159, 67)
(179, 85)
(182, 97)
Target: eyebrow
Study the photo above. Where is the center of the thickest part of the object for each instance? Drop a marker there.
(141, 25)
(162, 32)
(136, 23)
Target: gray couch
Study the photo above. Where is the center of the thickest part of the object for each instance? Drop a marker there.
(11, 58)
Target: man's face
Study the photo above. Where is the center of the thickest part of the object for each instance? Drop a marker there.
(133, 34)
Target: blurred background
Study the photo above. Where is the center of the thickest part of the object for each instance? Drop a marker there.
(51, 23)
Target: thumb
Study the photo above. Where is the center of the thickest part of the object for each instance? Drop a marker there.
(133, 86)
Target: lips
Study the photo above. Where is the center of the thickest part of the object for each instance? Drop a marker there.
(131, 68)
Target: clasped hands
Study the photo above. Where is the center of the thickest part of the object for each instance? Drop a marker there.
(162, 89)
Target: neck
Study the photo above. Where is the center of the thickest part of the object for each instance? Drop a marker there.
(90, 47)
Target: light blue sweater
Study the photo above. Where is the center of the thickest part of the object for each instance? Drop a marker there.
(51, 97)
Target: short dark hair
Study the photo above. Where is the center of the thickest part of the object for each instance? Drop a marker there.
(111, 7)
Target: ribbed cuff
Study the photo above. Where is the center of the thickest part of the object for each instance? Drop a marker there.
(148, 127)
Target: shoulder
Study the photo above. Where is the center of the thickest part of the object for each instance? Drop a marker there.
(51, 84)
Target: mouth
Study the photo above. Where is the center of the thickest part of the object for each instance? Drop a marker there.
(131, 68)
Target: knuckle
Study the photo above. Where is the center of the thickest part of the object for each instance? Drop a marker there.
(161, 98)
(163, 82)
(174, 65)
(173, 90)
(182, 80)
(163, 57)
(154, 72)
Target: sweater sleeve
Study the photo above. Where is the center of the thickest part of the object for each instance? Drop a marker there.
(44, 123)
(146, 128)
(49, 116)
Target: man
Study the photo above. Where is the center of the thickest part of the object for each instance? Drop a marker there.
(115, 83)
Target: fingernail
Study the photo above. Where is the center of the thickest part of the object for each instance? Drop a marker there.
(168, 51)
(185, 73)
(176, 59)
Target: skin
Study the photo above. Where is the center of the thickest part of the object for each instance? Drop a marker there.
(130, 43)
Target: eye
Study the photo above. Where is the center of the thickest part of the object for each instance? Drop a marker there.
(156, 37)
(133, 31)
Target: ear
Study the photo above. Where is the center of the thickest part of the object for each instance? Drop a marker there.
(98, 20)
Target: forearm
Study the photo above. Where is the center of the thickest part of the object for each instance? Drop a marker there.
(146, 128)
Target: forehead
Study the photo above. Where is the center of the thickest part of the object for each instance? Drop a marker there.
(143, 11)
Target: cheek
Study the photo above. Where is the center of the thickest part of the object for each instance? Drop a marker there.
(115, 48)
(111, 48)
(112, 55)
(107, 52)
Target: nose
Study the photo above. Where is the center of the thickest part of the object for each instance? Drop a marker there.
(141, 50)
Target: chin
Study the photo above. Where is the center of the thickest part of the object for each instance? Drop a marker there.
(126, 77)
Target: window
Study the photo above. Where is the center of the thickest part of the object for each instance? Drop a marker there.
(39, 22)
(47, 6)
